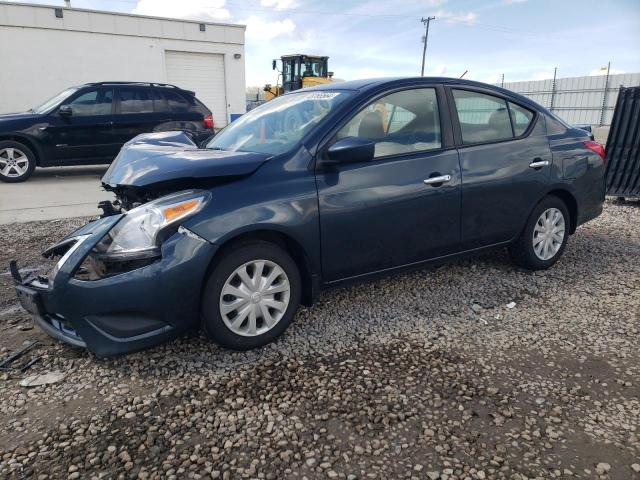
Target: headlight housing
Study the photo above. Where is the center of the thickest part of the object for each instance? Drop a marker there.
(143, 229)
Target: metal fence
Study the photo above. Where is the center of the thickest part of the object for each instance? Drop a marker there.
(623, 146)
(578, 100)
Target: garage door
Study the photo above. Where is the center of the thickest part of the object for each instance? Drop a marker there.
(202, 73)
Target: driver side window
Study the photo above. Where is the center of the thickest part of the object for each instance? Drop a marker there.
(403, 122)
(92, 102)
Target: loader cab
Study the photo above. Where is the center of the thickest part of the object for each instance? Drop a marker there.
(297, 68)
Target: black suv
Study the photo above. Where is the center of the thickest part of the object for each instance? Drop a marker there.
(88, 125)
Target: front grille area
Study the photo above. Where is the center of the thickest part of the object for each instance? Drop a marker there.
(61, 325)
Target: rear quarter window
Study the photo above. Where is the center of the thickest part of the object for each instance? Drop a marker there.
(554, 126)
(520, 118)
(177, 102)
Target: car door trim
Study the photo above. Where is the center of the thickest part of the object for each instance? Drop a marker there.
(413, 265)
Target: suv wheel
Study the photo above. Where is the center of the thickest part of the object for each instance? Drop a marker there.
(251, 296)
(544, 237)
(17, 162)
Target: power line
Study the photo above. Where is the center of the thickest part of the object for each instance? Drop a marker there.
(516, 31)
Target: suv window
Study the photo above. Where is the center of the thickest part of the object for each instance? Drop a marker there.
(92, 102)
(483, 118)
(402, 122)
(520, 118)
(160, 103)
(136, 100)
(177, 103)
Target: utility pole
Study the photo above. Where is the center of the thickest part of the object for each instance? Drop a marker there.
(426, 37)
(604, 95)
(553, 88)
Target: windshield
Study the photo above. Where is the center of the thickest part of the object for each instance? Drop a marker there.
(54, 101)
(277, 126)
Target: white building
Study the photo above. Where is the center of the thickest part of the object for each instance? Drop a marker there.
(45, 49)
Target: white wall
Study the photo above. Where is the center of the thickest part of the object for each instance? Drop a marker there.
(42, 55)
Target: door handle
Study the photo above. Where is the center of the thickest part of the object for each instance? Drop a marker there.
(439, 179)
(539, 163)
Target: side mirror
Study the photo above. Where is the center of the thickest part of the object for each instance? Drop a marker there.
(273, 64)
(350, 150)
(65, 111)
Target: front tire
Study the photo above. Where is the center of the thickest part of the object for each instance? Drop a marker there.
(544, 237)
(17, 162)
(251, 296)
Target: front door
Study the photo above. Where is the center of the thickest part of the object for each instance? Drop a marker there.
(506, 164)
(84, 134)
(390, 212)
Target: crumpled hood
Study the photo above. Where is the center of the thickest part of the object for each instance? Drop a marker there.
(160, 157)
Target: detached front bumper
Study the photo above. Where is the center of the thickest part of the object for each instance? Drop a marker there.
(125, 312)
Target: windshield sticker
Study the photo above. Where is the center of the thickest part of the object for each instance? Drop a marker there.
(322, 95)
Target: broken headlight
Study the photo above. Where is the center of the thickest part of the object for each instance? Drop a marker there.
(143, 229)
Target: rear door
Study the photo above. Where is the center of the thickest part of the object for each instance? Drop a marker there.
(382, 214)
(85, 135)
(505, 161)
(135, 113)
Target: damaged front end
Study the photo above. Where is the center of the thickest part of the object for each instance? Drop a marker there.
(124, 282)
(132, 278)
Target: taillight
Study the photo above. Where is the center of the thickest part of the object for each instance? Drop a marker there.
(595, 147)
(208, 121)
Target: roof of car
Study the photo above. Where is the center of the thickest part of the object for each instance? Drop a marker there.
(372, 83)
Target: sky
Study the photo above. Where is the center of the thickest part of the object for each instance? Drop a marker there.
(520, 39)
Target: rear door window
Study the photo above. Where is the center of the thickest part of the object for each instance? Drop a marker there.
(160, 103)
(402, 122)
(520, 117)
(483, 118)
(136, 100)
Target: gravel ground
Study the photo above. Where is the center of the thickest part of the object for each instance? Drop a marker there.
(427, 375)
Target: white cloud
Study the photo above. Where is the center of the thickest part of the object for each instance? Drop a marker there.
(603, 71)
(260, 29)
(468, 18)
(278, 4)
(511, 2)
(191, 9)
(434, 3)
(437, 71)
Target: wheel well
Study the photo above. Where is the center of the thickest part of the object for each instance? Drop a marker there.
(285, 242)
(25, 141)
(570, 201)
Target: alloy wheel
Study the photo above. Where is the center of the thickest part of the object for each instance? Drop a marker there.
(254, 298)
(13, 162)
(548, 234)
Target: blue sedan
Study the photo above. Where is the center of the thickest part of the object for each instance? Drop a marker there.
(314, 189)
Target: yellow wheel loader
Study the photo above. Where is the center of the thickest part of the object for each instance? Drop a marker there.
(298, 71)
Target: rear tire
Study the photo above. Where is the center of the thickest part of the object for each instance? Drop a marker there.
(238, 310)
(544, 237)
(17, 162)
